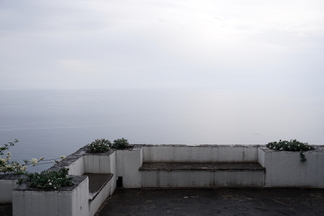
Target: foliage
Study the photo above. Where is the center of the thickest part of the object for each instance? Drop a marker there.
(99, 146)
(120, 143)
(6, 146)
(292, 145)
(48, 180)
(7, 166)
(13, 167)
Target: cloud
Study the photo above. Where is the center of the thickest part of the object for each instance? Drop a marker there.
(192, 42)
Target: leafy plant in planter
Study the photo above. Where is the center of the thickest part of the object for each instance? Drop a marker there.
(48, 180)
(292, 145)
(120, 143)
(99, 146)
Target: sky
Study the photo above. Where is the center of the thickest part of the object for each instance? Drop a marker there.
(154, 44)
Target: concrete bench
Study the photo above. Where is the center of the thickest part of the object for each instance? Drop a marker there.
(170, 174)
(100, 187)
(97, 182)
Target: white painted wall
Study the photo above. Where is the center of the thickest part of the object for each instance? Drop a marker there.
(52, 203)
(77, 167)
(208, 153)
(95, 163)
(284, 168)
(128, 162)
(6, 187)
(113, 170)
(96, 202)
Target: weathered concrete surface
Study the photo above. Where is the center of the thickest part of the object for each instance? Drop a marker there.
(184, 175)
(97, 181)
(8, 182)
(128, 162)
(147, 166)
(225, 202)
(200, 153)
(284, 168)
(72, 200)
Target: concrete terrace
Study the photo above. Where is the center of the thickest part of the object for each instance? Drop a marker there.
(178, 180)
(220, 201)
(210, 201)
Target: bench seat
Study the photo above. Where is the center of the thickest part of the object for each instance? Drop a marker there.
(97, 183)
(177, 175)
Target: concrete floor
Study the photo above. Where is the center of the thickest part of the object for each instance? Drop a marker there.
(224, 202)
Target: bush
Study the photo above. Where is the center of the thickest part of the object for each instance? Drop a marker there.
(292, 145)
(48, 180)
(120, 143)
(99, 146)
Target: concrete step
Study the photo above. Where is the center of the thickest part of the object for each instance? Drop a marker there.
(161, 174)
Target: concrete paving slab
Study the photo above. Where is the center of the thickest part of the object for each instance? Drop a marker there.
(223, 201)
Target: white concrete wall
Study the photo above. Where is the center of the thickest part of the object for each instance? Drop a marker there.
(52, 203)
(128, 162)
(202, 179)
(97, 201)
(284, 168)
(6, 187)
(209, 153)
(94, 163)
(113, 170)
(77, 167)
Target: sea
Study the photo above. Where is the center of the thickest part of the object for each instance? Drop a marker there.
(54, 123)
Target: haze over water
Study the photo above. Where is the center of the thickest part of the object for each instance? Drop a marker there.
(52, 123)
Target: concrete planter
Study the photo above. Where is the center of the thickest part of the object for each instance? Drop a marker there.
(8, 182)
(284, 168)
(72, 201)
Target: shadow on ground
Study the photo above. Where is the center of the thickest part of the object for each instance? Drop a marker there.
(231, 202)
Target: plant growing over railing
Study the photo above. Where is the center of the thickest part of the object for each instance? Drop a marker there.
(7, 166)
(99, 146)
(120, 143)
(47, 180)
(292, 145)
(14, 167)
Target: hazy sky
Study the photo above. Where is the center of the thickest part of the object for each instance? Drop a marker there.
(250, 44)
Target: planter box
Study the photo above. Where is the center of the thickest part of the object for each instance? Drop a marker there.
(72, 201)
(284, 168)
(8, 182)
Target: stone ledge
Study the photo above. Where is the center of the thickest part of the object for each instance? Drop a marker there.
(161, 166)
(76, 180)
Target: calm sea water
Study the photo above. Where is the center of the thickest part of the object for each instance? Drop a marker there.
(52, 123)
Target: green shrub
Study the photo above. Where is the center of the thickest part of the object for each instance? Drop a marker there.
(48, 180)
(120, 143)
(292, 145)
(99, 146)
